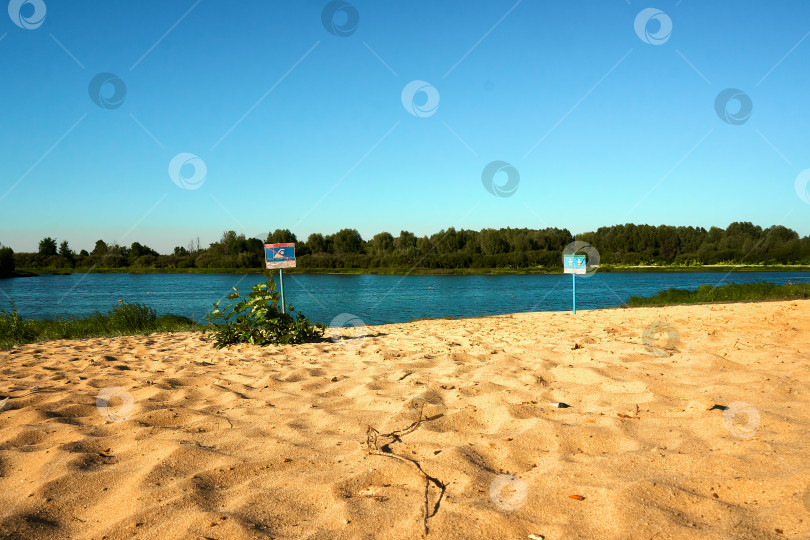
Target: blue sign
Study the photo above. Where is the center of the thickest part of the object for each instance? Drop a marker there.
(279, 255)
(575, 264)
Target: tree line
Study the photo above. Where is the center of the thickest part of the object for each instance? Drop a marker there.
(740, 242)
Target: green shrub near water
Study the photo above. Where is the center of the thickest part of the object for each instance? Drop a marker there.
(123, 319)
(257, 319)
(731, 292)
(132, 318)
(14, 329)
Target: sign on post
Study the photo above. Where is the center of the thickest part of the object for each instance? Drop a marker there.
(575, 264)
(279, 255)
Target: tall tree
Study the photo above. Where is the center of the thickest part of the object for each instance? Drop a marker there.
(348, 241)
(65, 251)
(100, 249)
(6, 261)
(405, 240)
(139, 250)
(381, 243)
(493, 242)
(281, 236)
(47, 246)
(316, 243)
(194, 246)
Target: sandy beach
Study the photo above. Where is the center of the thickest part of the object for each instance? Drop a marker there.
(676, 422)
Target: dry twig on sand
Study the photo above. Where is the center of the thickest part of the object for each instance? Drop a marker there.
(373, 439)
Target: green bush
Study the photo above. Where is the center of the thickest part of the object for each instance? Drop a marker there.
(13, 329)
(171, 319)
(124, 319)
(130, 318)
(257, 319)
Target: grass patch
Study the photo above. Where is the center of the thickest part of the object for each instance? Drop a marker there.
(725, 267)
(123, 320)
(731, 292)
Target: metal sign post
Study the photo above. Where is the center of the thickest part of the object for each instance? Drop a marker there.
(574, 264)
(281, 283)
(280, 256)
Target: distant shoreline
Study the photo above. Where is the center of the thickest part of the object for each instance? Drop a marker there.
(25, 272)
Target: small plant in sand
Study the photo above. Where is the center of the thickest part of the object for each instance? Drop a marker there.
(257, 319)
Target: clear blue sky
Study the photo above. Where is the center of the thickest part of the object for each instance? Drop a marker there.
(627, 130)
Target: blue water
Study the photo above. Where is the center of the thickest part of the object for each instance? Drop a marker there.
(374, 299)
